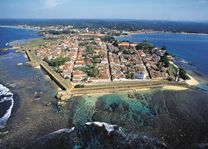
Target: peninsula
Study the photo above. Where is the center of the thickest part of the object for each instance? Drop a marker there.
(83, 61)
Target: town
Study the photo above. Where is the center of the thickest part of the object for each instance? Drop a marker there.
(98, 62)
(90, 58)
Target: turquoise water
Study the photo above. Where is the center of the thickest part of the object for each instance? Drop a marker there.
(179, 118)
(192, 48)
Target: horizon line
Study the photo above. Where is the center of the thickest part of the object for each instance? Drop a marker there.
(121, 19)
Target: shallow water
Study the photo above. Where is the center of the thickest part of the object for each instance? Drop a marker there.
(19, 79)
(8, 69)
(178, 118)
(34, 113)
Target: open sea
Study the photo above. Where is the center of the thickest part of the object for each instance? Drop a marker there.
(189, 49)
(8, 61)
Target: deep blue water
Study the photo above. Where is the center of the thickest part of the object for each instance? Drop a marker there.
(190, 47)
(11, 34)
(9, 71)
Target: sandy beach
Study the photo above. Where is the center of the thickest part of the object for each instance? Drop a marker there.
(192, 81)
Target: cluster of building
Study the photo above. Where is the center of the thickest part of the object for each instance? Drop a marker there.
(66, 47)
(93, 60)
(91, 64)
(99, 31)
(126, 62)
(151, 61)
(47, 28)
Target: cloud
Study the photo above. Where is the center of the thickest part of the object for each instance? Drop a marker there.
(52, 3)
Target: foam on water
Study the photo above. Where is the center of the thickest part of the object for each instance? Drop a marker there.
(108, 127)
(5, 95)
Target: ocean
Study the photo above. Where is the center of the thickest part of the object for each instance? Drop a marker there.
(189, 49)
(8, 61)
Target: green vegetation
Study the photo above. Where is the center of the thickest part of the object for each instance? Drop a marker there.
(164, 60)
(96, 59)
(52, 38)
(91, 71)
(183, 74)
(84, 79)
(56, 62)
(59, 32)
(107, 38)
(115, 43)
(79, 86)
(83, 44)
(145, 46)
(33, 44)
(127, 51)
(172, 72)
(89, 50)
(130, 75)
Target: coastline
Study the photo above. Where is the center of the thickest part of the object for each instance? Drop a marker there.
(18, 27)
(10, 114)
(128, 34)
(33, 58)
(164, 32)
(199, 79)
(34, 99)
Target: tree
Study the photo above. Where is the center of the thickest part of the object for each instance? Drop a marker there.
(56, 62)
(108, 38)
(165, 61)
(89, 50)
(91, 71)
(79, 86)
(130, 75)
(183, 74)
(84, 79)
(145, 45)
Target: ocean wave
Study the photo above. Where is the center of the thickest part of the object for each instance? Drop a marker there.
(96, 135)
(6, 95)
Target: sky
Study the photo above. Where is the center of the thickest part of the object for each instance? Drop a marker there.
(177, 10)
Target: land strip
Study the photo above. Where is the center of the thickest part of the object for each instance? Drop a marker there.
(124, 87)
